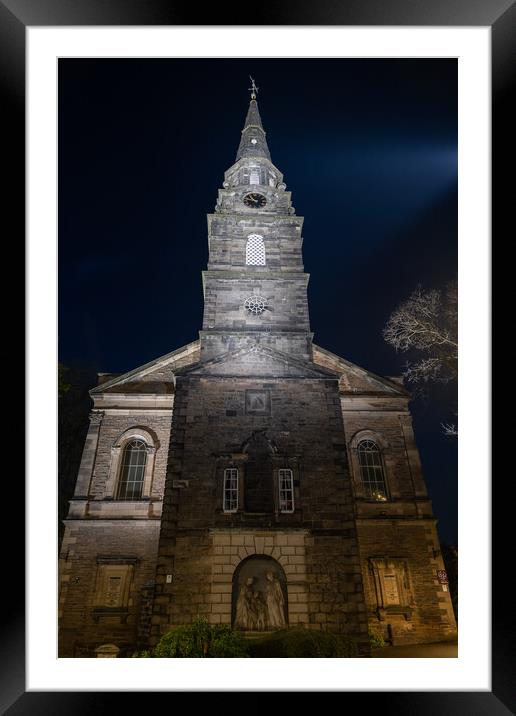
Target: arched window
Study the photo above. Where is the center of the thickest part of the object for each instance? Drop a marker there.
(255, 251)
(371, 468)
(254, 177)
(132, 472)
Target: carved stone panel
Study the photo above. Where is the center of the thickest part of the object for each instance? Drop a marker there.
(259, 595)
(257, 402)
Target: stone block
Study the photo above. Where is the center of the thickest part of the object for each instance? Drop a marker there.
(221, 609)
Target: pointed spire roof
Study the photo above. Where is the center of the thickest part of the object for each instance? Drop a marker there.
(253, 142)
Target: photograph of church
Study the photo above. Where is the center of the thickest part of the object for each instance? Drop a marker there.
(252, 476)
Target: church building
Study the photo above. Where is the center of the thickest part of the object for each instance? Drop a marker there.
(251, 476)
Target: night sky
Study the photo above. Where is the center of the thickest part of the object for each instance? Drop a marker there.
(369, 150)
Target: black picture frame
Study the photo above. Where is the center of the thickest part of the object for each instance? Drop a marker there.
(15, 17)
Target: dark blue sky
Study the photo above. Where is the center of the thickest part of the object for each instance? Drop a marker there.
(368, 148)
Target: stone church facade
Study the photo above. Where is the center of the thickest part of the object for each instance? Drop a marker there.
(251, 476)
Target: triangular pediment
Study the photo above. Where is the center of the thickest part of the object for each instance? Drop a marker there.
(258, 361)
(156, 377)
(354, 379)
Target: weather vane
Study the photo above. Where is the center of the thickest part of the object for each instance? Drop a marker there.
(254, 89)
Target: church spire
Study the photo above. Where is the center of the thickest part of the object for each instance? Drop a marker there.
(253, 142)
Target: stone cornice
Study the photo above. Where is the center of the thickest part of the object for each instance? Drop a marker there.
(237, 274)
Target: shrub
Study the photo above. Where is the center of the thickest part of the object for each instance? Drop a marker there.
(302, 643)
(200, 640)
(376, 640)
(226, 643)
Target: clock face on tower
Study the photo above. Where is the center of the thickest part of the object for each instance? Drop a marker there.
(255, 200)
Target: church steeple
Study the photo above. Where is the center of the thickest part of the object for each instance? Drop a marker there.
(255, 286)
(253, 142)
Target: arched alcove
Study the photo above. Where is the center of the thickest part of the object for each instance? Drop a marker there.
(259, 595)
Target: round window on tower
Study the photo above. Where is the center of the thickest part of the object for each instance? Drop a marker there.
(255, 305)
(254, 141)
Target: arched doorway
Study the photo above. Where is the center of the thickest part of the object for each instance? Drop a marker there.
(258, 486)
(259, 597)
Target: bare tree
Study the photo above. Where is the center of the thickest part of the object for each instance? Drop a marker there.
(425, 327)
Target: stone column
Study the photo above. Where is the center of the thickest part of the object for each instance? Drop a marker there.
(82, 486)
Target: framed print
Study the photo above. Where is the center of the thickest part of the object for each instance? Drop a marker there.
(96, 46)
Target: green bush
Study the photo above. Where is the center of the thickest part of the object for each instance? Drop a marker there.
(200, 640)
(376, 640)
(302, 643)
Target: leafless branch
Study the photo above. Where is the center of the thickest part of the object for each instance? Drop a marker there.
(450, 429)
(427, 323)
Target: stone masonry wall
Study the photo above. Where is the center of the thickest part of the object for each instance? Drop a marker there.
(286, 300)
(305, 426)
(403, 528)
(431, 618)
(114, 425)
(282, 238)
(81, 630)
(387, 424)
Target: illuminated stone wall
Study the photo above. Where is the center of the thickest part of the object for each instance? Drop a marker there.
(200, 545)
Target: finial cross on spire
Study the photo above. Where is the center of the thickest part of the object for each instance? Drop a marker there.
(254, 89)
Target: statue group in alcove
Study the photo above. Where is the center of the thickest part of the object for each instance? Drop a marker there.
(260, 610)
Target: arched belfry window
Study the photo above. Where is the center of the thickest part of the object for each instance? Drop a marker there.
(255, 251)
(371, 469)
(132, 471)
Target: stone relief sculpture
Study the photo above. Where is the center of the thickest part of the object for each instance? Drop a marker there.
(242, 608)
(260, 601)
(250, 608)
(275, 602)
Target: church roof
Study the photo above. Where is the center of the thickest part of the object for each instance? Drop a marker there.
(158, 376)
(155, 376)
(354, 379)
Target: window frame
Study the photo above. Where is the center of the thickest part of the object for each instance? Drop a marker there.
(257, 249)
(150, 439)
(370, 487)
(122, 484)
(383, 447)
(233, 473)
(255, 173)
(289, 489)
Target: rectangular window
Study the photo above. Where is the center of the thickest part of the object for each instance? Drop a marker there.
(286, 491)
(255, 176)
(230, 498)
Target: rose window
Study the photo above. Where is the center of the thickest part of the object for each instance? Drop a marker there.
(255, 305)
